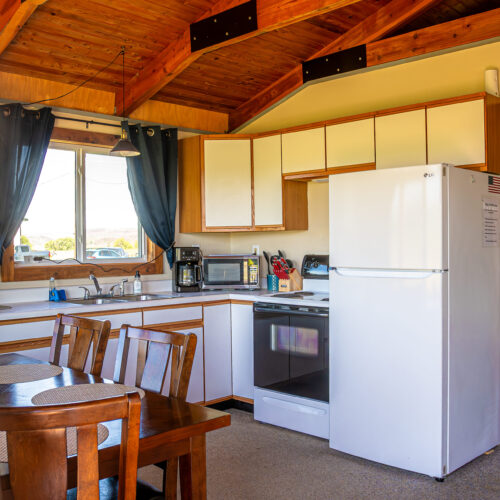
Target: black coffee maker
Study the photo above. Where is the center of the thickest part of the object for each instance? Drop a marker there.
(187, 269)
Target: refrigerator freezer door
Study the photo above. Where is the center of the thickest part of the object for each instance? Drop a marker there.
(387, 368)
(389, 219)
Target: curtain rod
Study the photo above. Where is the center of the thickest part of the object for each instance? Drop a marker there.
(88, 122)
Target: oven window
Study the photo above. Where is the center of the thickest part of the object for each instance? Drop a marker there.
(306, 341)
(223, 273)
(280, 338)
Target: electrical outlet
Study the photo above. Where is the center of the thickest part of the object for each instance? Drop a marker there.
(256, 249)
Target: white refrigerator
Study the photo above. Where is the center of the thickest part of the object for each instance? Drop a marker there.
(414, 316)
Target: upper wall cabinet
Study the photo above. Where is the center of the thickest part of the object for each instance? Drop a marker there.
(303, 150)
(350, 144)
(267, 181)
(455, 133)
(228, 183)
(221, 190)
(400, 139)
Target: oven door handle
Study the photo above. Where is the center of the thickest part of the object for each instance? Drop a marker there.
(292, 312)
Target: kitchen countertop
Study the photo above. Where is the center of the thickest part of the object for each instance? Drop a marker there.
(19, 310)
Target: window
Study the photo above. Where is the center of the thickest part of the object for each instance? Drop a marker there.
(81, 209)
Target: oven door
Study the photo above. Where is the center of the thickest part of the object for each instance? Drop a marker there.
(222, 273)
(291, 351)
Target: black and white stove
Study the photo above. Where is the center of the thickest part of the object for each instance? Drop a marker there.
(291, 363)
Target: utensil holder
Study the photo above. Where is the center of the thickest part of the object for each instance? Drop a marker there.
(272, 283)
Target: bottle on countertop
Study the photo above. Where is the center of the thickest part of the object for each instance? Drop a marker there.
(52, 288)
(137, 283)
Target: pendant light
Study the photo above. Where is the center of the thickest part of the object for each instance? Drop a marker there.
(124, 147)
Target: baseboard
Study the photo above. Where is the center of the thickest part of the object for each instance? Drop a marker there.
(232, 403)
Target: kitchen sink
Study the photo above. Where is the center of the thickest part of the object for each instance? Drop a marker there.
(120, 298)
(96, 301)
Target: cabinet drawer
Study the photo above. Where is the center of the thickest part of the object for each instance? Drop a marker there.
(117, 320)
(172, 315)
(31, 330)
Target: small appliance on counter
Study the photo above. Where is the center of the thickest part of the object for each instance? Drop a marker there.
(231, 271)
(315, 267)
(187, 269)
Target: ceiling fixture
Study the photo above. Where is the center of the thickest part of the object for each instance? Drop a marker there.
(124, 147)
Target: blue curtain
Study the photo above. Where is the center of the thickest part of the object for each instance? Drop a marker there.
(24, 139)
(152, 181)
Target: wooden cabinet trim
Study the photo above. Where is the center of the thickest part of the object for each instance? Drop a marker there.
(455, 100)
(216, 303)
(36, 319)
(242, 302)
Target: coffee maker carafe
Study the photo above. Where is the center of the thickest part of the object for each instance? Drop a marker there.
(187, 269)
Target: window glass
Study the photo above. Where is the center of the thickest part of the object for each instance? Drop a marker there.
(112, 227)
(48, 229)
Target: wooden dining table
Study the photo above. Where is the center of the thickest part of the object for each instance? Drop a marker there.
(169, 428)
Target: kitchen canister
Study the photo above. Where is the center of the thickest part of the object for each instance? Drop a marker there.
(272, 283)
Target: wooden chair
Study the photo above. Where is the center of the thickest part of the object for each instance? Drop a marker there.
(84, 332)
(36, 442)
(157, 352)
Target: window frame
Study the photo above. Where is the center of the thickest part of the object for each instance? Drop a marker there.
(150, 263)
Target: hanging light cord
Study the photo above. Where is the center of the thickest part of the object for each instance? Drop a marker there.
(122, 52)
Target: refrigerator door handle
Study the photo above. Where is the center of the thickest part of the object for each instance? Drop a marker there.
(386, 273)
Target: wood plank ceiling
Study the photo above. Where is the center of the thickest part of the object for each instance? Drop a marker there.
(69, 41)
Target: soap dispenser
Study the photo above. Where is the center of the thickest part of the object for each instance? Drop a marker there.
(137, 283)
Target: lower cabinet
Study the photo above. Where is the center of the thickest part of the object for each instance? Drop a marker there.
(242, 349)
(217, 346)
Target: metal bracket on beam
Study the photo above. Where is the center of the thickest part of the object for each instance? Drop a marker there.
(228, 24)
(334, 64)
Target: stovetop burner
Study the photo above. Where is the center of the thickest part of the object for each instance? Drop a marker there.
(302, 294)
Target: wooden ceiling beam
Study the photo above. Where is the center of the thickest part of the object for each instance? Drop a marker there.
(177, 56)
(379, 24)
(15, 18)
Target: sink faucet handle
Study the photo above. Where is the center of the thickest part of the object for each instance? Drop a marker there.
(86, 292)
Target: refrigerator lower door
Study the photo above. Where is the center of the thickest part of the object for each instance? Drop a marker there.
(389, 219)
(387, 365)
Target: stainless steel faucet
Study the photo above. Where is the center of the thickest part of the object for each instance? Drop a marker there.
(98, 289)
(122, 288)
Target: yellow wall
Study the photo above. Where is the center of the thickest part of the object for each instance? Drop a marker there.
(447, 75)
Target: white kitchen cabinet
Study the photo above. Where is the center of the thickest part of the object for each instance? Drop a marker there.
(303, 150)
(217, 343)
(456, 133)
(242, 349)
(350, 143)
(228, 183)
(171, 315)
(267, 181)
(28, 330)
(400, 139)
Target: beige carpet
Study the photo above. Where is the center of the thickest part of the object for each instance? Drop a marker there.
(253, 461)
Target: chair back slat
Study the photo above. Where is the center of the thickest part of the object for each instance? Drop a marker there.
(84, 334)
(36, 444)
(160, 355)
(154, 370)
(88, 476)
(41, 456)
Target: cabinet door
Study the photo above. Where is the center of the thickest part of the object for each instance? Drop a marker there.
(455, 133)
(228, 183)
(351, 143)
(242, 347)
(303, 150)
(217, 344)
(267, 181)
(400, 139)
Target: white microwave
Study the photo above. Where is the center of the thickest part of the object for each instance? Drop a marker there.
(230, 271)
